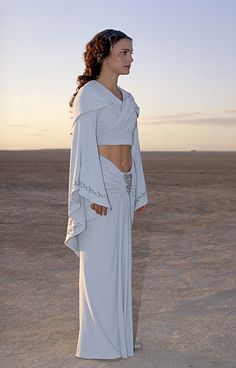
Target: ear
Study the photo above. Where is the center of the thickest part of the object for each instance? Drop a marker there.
(106, 59)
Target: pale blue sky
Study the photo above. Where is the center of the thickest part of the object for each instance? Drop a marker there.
(183, 76)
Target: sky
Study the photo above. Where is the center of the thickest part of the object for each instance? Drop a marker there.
(183, 76)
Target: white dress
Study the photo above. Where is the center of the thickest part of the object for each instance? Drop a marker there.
(104, 243)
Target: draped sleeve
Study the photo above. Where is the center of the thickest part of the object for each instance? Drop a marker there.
(86, 183)
(141, 197)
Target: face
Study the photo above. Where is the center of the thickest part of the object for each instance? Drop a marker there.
(120, 58)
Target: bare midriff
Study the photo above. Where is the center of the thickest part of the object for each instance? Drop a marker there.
(119, 154)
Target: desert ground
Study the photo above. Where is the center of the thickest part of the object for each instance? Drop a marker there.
(184, 263)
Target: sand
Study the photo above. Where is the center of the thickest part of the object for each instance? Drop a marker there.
(184, 264)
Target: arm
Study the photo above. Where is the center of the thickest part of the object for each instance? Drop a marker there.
(86, 183)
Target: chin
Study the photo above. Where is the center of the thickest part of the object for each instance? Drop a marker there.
(125, 72)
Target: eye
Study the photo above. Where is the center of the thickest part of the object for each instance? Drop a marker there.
(124, 52)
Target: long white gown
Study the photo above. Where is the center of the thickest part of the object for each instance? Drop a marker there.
(104, 243)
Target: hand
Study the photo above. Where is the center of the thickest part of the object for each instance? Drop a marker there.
(141, 210)
(99, 209)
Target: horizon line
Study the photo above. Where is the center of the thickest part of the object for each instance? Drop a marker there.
(68, 149)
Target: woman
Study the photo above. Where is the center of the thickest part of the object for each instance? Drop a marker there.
(106, 186)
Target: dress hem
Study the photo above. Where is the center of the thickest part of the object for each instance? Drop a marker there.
(105, 358)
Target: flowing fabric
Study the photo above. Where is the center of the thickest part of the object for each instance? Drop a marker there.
(105, 292)
(86, 182)
(104, 242)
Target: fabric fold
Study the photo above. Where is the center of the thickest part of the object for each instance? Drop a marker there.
(86, 181)
(105, 283)
(86, 184)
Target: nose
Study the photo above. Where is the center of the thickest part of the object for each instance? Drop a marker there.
(131, 58)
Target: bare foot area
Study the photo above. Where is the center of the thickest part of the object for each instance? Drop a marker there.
(183, 263)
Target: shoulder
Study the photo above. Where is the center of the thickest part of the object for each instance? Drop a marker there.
(88, 99)
(89, 90)
(129, 95)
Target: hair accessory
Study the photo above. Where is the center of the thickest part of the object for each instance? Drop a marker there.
(99, 58)
(108, 35)
(111, 33)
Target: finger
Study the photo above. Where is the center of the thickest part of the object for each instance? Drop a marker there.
(141, 210)
(100, 210)
(104, 210)
(97, 208)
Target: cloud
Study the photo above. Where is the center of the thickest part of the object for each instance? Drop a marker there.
(231, 111)
(204, 121)
(179, 115)
(38, 134)
(170, 117)
(25, 126)
(17, 126)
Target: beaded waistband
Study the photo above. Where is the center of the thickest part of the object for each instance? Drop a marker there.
(128, 181)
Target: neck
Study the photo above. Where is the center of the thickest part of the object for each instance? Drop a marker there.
(110, 81)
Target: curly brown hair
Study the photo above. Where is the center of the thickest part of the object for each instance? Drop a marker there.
(97, 50)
